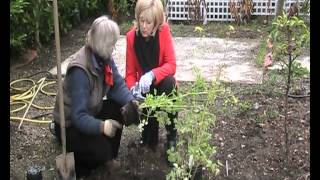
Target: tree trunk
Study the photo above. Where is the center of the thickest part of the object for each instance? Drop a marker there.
(279, 7)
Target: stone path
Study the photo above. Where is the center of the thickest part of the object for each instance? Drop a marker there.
(233, 59)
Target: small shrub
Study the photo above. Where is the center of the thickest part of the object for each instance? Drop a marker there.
(194, 144)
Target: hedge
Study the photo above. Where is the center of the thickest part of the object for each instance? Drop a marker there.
(31, 21)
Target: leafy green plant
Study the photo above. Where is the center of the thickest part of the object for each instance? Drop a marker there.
(122, 6)
(200, 30)
(31, 22)
(297, 70)
(194, 150)
(261, 52)
(125, 27)
(258, 119)
(271, 113)
(17, 35)
(305, 7)
(289, 36)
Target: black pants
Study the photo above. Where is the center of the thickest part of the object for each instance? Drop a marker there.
(91, 151)
(150, 133)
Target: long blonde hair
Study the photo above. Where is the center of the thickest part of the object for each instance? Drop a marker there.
(102, 36)
(151, 10)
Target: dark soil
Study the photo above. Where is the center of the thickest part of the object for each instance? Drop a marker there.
(250, 142)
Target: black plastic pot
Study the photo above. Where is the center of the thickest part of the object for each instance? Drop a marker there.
(34, 173)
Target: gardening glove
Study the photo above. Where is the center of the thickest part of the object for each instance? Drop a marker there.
(110, 127)
(136, 92)
(131, 112)
(146, 81)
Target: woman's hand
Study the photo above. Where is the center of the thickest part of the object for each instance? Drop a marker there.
(146, 81)
(131, 112)
(110, 127)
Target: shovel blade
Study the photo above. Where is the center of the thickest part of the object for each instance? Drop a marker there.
(65, 167)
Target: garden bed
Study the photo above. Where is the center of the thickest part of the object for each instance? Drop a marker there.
(250, 140)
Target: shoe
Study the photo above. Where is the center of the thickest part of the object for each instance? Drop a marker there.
(113, 165)
(82, 171)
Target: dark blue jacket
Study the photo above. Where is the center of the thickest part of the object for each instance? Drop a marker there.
(84, 89)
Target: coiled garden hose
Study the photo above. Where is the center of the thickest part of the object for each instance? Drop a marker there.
(25, 96)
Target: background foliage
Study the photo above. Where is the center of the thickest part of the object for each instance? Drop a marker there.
(31, 21)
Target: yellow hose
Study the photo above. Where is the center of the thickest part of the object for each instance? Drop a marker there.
(48, 93)
(25, 113)
(41, 107)
(30, 120)
(26, 95)
(22, 99)
(18, 109)
(19, 80)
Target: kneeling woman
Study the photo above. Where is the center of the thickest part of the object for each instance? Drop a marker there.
(151, 63)
(93, 124)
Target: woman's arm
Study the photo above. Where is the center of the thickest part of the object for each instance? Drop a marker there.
(131, 70)
(80, 93)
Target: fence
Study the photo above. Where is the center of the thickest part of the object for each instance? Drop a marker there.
(218, 10)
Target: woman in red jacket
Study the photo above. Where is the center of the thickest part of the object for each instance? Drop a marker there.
(151, 63)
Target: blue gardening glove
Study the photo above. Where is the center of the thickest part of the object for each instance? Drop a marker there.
(136, 92)
(146, 81)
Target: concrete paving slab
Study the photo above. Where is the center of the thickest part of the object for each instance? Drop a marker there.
(233, 59)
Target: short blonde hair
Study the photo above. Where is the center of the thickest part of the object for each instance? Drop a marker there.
(151, 10)
(102, 36)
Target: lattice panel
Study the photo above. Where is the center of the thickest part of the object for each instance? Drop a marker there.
(218, 10)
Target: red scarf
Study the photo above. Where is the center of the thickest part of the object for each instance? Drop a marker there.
(108, 75)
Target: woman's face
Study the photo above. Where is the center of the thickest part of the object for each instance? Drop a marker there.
(146, 26)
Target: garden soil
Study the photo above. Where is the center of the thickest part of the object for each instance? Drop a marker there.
(248, 146)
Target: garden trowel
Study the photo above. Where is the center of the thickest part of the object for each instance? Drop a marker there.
(65, 161)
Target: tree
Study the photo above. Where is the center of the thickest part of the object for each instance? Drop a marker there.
(279, 7)
(289, 34)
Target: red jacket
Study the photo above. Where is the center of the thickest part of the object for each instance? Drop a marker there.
(167, 58)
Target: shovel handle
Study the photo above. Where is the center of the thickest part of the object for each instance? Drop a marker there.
(58, 53)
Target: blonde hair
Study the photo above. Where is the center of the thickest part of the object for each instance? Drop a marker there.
(151, 10)
(102, 36)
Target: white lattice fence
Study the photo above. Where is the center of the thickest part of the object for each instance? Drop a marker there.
(218, 10)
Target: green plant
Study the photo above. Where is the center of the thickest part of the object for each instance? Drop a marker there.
(297, 70)
(31, 22)
(200, 30)
(271, 113)
(261, 52)
(305, 7)
(194, 149)
(41, 19)
(266, 114)
(258, 119)
(17, 35)
(123, 7)
(289, 36)
(125, 27)
(244, 106)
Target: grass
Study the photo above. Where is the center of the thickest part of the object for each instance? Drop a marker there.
(219, 29)
(212, 29)
(254, 29)
(261, 52)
